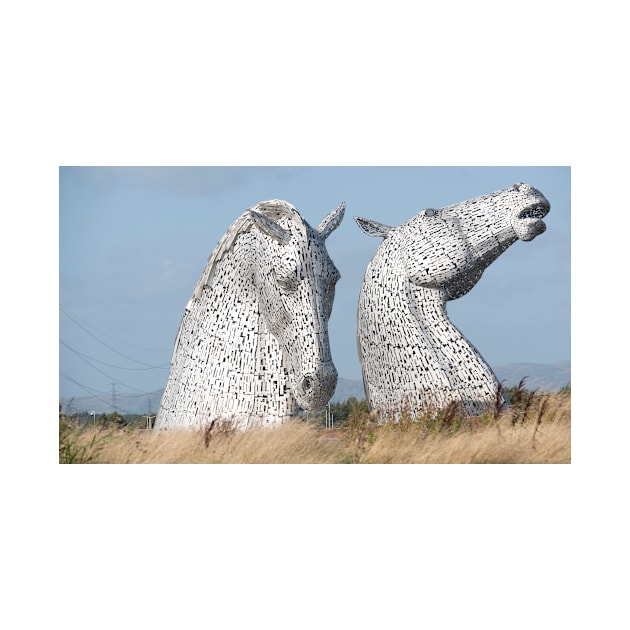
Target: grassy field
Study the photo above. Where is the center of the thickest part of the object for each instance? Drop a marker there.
(536, 429)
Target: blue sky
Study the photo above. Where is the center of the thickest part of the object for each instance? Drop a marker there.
(134, 240)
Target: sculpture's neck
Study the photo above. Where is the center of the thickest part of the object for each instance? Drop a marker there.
(428, 307)
(452, 355)
(405, 335)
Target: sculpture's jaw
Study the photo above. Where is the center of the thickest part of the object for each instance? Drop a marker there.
(528, 223)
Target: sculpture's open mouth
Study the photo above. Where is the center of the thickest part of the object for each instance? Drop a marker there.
(528, 223)
(536, 211)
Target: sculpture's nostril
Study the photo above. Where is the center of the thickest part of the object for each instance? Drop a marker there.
(314, 389)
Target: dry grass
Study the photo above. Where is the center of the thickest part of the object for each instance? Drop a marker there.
(536, 430)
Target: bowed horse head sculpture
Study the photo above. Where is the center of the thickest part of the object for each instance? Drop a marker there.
(253, 343)
(411, 354)
(295, 282)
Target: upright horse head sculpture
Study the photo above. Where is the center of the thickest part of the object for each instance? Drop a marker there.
(252, 346)
(411, 354)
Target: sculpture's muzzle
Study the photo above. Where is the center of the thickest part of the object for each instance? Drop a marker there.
(315, 389)
(528, 223)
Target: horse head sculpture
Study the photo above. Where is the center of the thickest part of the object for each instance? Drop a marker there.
(295, 281)
(411, 354)
(253, 343)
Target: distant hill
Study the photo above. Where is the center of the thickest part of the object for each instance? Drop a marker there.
(348, 389)
(545, 377)
(549, 377)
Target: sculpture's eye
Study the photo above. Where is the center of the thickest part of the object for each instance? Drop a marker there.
(287, 284)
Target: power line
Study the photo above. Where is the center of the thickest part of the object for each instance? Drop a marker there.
(77, 320)
(119, 367)
(106, 344)
(108, 375)
(95, 392)
(89, 390)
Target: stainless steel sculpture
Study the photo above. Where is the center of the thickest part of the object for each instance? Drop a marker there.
(412, 356)
(252, 346)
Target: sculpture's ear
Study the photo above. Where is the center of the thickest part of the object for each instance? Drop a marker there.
(331, 221)
(373, 228)
(270, 227)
